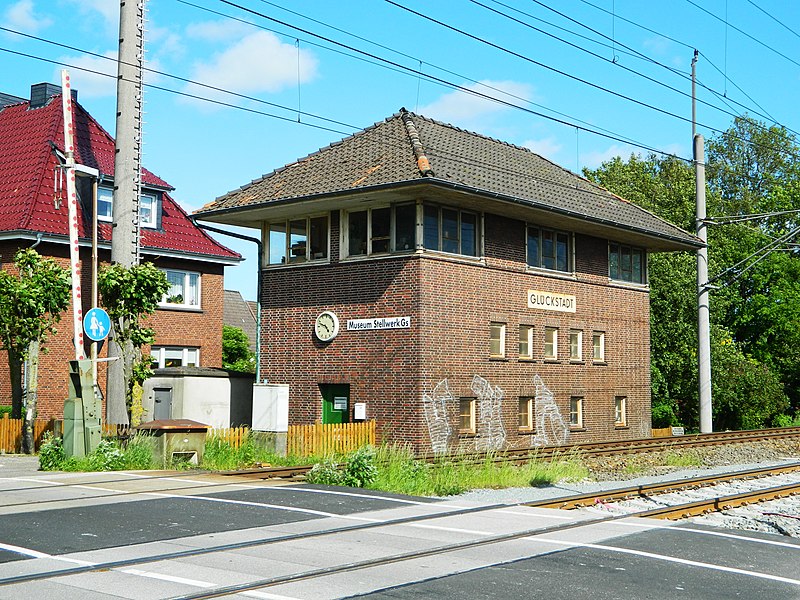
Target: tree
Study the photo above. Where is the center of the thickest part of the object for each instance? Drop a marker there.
(236, 354)
(751, 320)
(31, 304)
(129, 294)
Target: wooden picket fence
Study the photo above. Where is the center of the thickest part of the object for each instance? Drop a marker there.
(323, 440)
(662, 432)
(11, 433)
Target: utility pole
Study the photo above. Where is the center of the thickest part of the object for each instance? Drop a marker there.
(127, 177)
(703, 317)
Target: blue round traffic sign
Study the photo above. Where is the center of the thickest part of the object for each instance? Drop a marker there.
(96, 324)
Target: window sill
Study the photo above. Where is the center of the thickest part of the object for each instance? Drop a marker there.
(525, 359)
(577, 362)
(498, 359)
(630, 285)
(571, 275)
(621, 426)
(180, 308)
(526, 432)
(466, 434)
(552, 361)
(600, 363)
(290, 265)
(577, 429)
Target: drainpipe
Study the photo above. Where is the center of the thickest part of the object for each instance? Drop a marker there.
(258, 289)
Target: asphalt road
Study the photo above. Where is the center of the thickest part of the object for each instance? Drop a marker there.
(117, 535)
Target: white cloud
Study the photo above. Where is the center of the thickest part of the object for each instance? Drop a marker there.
(258, 62)
(217, 31)
(98, 80)
(164, 41)
(107, 9)
(460, 106)
(547, 147)
(592, 160)
(21, 16)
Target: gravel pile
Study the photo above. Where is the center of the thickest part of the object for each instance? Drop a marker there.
(779, 516)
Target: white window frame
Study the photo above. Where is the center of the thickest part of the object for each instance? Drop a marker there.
(526, 410)
(159, 354)
(472, 408)
(599, 350)
(615, 248)
(460, 226)
(345, 231)
(501, 342)
(620, 411)
(187, 277)
(540, 244)
(105, 197)
(576, 349)
(576, 412)
(526, 338)
(151, 223)
(552, 343)
(286, 255)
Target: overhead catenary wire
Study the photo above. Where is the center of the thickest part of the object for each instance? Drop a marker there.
(764, 113)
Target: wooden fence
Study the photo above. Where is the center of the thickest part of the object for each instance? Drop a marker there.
(662, 432)
(301, 440)
(11, 433)
(322, 440)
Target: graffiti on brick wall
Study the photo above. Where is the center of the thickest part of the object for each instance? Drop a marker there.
(550, 427)
(491, 435)
(435, 409)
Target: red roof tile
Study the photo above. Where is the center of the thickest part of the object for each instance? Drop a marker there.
(30, 201)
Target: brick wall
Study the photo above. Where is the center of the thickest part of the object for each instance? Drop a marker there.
(451, 302)
(184, 328)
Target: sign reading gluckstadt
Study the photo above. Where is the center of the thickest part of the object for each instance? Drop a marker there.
(379, 323)
(551, 301)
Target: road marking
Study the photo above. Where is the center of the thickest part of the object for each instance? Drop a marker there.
(170, 578)
(682, 561)
(37, 554)
(722, 534)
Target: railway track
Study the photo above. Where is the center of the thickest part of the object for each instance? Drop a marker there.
(583, 450)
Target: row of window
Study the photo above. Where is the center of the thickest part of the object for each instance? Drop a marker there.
(526, 414)
(391, 229)
(497, 343)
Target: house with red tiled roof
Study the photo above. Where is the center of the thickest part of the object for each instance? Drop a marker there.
(33, 212)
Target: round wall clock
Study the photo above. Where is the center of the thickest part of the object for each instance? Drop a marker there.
(326, 326)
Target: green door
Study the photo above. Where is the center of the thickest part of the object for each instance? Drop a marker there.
(335, 402)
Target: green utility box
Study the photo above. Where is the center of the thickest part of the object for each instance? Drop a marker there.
(176, 439)
(82, 424)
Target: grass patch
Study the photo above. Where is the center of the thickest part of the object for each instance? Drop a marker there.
(221, 455)
(687, 458)
(398, 471)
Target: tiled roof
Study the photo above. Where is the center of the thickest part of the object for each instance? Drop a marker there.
(239, 313)
(28, 167)
(407, 148)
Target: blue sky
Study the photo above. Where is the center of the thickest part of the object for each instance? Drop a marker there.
(748, 63)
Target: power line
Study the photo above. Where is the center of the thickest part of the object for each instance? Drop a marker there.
(548, 67)
(778, 21)
(594, 54)
(744, 33)
(432, 152)
(719, 94)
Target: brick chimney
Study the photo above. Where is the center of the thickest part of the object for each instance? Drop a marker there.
(42, 92)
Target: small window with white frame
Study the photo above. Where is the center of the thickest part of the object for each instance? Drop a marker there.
(550, 343)
(627, 263)
(497, 339)
(598, 347)
(526, 342)
(148, 207)
(466, 415)
(576, 412)
(526, 414)
(174, 356)
(184, 289)
(620, 411)
(575, 345)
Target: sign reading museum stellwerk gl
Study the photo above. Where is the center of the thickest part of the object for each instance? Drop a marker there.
(551, 301)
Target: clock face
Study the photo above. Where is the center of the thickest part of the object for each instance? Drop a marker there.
(326, 326)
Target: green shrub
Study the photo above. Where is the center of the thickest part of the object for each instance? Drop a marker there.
(326, 472)
(358, 470)
(5, 410)
(51, 453)
(108, 456)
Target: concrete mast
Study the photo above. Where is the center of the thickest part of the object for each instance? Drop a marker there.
(127, 175)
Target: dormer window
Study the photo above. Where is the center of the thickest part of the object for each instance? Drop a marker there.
(148, 207)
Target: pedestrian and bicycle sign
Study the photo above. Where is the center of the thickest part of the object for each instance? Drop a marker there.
(96, 324)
